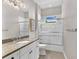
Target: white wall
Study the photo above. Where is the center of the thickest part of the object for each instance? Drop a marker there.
(70, 22)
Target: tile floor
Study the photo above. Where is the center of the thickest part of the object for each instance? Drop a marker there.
(52, 55)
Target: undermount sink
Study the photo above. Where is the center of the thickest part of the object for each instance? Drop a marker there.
(20, 42)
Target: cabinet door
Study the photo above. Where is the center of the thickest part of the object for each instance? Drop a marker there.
(13, 56)
(31, 51)
(31, 54)
(34, 52)
(25, 56)
(24, 52)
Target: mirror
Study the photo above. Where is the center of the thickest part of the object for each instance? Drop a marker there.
(23, 24)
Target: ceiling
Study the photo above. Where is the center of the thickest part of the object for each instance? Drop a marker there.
(48, 3)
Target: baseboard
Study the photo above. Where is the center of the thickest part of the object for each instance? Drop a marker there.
(65, 56)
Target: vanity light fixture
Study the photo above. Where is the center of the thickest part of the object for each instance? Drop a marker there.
(16, 3)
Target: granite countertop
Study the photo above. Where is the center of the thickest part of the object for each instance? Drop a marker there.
(11, 47)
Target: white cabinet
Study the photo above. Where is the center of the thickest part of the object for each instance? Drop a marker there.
(31, 54)
(28, 52)
(25, 56)
(24, 53)
(13, 56)
(34, 51)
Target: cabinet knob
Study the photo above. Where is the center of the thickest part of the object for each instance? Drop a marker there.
(12, 58)
(30, 52)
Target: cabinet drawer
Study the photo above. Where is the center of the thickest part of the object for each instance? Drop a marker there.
(13, 56)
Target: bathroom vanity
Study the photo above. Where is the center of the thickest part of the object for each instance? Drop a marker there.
(22, 49)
